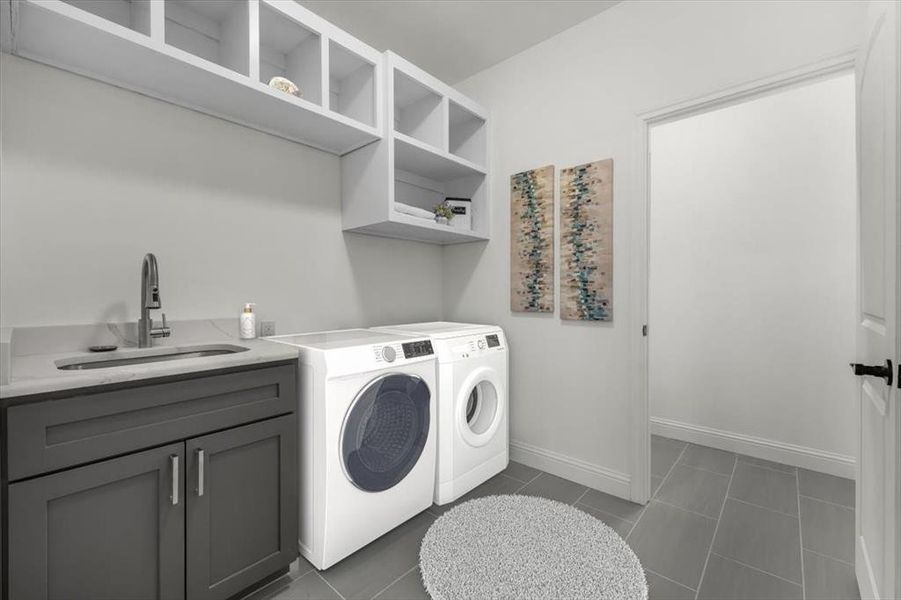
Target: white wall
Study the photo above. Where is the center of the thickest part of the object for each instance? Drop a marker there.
(573, 99)
(753, 269)
(94, 176)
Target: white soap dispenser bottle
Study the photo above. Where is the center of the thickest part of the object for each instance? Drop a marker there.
(248, 324)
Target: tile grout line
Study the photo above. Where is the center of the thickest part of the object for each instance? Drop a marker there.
(826, 556)
(702, 469)
(717, 528)
(760, 506)
(800, 495)
(404, 574)
(519, 489)
(582, 505)
(656, 574)
(758, 569)
(324, 580)
(793, 471)
(501, 474)
(665, 477)
(801, 539)
(677, 507)
(582, 495)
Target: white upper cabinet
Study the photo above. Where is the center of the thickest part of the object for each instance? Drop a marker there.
(217, 57)
(436, 147)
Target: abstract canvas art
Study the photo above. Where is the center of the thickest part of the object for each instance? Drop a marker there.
(532, 241)
(586, 242)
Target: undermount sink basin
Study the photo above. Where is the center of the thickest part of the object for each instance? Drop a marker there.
(150, 355)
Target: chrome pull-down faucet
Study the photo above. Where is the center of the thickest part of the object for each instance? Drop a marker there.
(150, 299)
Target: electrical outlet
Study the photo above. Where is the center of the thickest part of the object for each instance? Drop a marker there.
(267, 328)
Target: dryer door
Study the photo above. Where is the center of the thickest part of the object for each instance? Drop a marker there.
(385, 430)
(480, 407)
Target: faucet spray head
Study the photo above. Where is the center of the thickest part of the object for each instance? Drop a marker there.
(150, 282)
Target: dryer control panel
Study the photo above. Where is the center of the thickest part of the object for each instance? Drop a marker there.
(475, 345)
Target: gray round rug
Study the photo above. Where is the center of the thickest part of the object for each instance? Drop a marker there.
(522, 547)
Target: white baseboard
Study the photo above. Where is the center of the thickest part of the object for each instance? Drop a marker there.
(789, 454)
(574, 469)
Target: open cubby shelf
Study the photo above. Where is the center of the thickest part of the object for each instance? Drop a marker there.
(290, 50)
(214, 30)
(436, 149)
(412, 155)
(418, 110)
(467, 133)
(352, 85)
(132, 14)
(217, 57)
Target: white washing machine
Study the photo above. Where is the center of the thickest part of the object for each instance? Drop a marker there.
(367, 437)
(473, 430)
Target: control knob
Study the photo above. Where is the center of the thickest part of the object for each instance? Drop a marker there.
(388, 354)
(481, 344)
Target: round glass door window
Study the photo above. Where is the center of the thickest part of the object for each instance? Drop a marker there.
(480, 407)
(385, 431)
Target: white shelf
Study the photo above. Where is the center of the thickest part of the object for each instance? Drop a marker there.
(427, 161)
(406, 227)
(436, 149)
(115, 44)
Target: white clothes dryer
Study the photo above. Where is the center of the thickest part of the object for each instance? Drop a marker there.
(367, 437)
(473, 405)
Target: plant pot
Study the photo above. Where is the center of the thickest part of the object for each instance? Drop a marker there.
(441, 220)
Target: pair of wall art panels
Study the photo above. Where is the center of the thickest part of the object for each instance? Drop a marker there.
(586, 241)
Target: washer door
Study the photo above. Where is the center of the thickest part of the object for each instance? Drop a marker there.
(480, 407)
(385, 430)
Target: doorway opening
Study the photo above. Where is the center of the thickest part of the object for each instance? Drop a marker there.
(752, 276)
(751, 299)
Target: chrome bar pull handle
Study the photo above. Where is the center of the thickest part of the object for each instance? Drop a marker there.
(201, 456)
(173, 463)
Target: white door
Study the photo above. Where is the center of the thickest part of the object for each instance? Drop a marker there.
(878, 527)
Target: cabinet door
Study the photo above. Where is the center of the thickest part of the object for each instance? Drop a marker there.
(242, 506)
(113, 530)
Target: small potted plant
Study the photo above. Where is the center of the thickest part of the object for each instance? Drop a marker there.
(443, 213)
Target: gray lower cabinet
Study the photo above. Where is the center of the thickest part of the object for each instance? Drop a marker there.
(113, 530)
(204, 519)
(241, 506)
(180, 489)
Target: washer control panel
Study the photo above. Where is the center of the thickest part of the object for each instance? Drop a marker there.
(400, 351)
(417, 348)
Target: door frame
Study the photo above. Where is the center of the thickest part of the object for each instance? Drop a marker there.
(640, 484)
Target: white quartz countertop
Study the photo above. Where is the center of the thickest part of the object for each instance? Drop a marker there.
(36, 353)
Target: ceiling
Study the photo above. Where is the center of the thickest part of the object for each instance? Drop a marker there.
(453, 39)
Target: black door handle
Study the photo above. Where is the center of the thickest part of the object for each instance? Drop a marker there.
(874, 370)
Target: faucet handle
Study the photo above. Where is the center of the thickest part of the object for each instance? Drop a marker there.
(163, 331)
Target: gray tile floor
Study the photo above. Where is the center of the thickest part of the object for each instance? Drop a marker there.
(720, 526)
